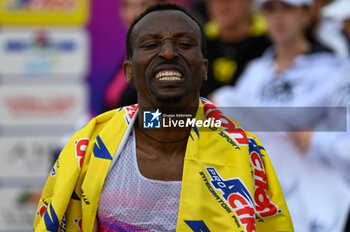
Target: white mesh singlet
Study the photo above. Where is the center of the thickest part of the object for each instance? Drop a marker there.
(131, 202)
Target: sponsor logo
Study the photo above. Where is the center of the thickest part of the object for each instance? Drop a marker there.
(40, 43)
(36, 52)
(155, 119)
(237, 133)
(43, 12)
(236, 194)
(42, 210)
(39, 5)
(80, 149)
(264, 206)
(45, 104)
(37, 104)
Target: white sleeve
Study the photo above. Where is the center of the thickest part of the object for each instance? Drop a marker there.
(332, 148)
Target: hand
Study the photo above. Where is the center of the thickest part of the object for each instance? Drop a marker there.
(301, 140)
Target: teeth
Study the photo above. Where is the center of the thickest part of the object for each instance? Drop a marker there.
(168, 75)
(171, 78)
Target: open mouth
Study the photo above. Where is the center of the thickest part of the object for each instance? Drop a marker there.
(168, 75)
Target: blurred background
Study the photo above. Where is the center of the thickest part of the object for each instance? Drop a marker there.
(60, 65)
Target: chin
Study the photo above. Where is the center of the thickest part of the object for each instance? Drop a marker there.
(169, 99)
(170, 96)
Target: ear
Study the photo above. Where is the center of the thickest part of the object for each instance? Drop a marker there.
(205, 69)
(127, 71)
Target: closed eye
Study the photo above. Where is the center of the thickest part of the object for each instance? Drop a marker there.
(149, 45)
(185, 45)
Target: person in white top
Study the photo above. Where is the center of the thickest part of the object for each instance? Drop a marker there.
(295, 73)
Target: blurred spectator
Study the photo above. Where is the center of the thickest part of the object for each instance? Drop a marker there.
(235, 37)
(321, 145)
(119, 92)
(295, 72)
(332, 149)
(334, 30)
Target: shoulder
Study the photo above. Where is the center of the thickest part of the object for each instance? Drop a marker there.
(322, 57)
(121, 115)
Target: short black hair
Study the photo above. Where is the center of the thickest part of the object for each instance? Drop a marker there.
(159, 7)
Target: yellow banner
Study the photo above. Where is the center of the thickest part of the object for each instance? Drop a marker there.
(24, 12)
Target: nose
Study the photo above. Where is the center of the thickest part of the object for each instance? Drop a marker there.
(168, 50)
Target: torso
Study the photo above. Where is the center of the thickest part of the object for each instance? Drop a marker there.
(158, 161)
(131, 201)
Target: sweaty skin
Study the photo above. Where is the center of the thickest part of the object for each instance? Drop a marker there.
(168, 68)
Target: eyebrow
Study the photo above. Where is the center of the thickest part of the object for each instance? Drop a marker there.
(160, 36)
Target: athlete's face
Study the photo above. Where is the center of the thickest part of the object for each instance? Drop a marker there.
(167, 64)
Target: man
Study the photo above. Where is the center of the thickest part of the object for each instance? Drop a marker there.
(117, 175)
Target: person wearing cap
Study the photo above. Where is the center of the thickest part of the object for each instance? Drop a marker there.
(295, 72)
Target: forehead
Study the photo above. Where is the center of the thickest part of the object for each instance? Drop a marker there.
(165, 22)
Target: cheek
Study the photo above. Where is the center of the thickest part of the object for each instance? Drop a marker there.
(138, 71)
(197, 69)
(297, 26)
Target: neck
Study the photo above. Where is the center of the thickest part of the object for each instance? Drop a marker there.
(172, 132)
(286, 52)
(236, 32)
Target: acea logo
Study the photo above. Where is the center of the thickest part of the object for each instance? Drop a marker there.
(151, 119)
(41, 40)
(236, 194)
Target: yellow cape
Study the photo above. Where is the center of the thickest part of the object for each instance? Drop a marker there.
(228, 181)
